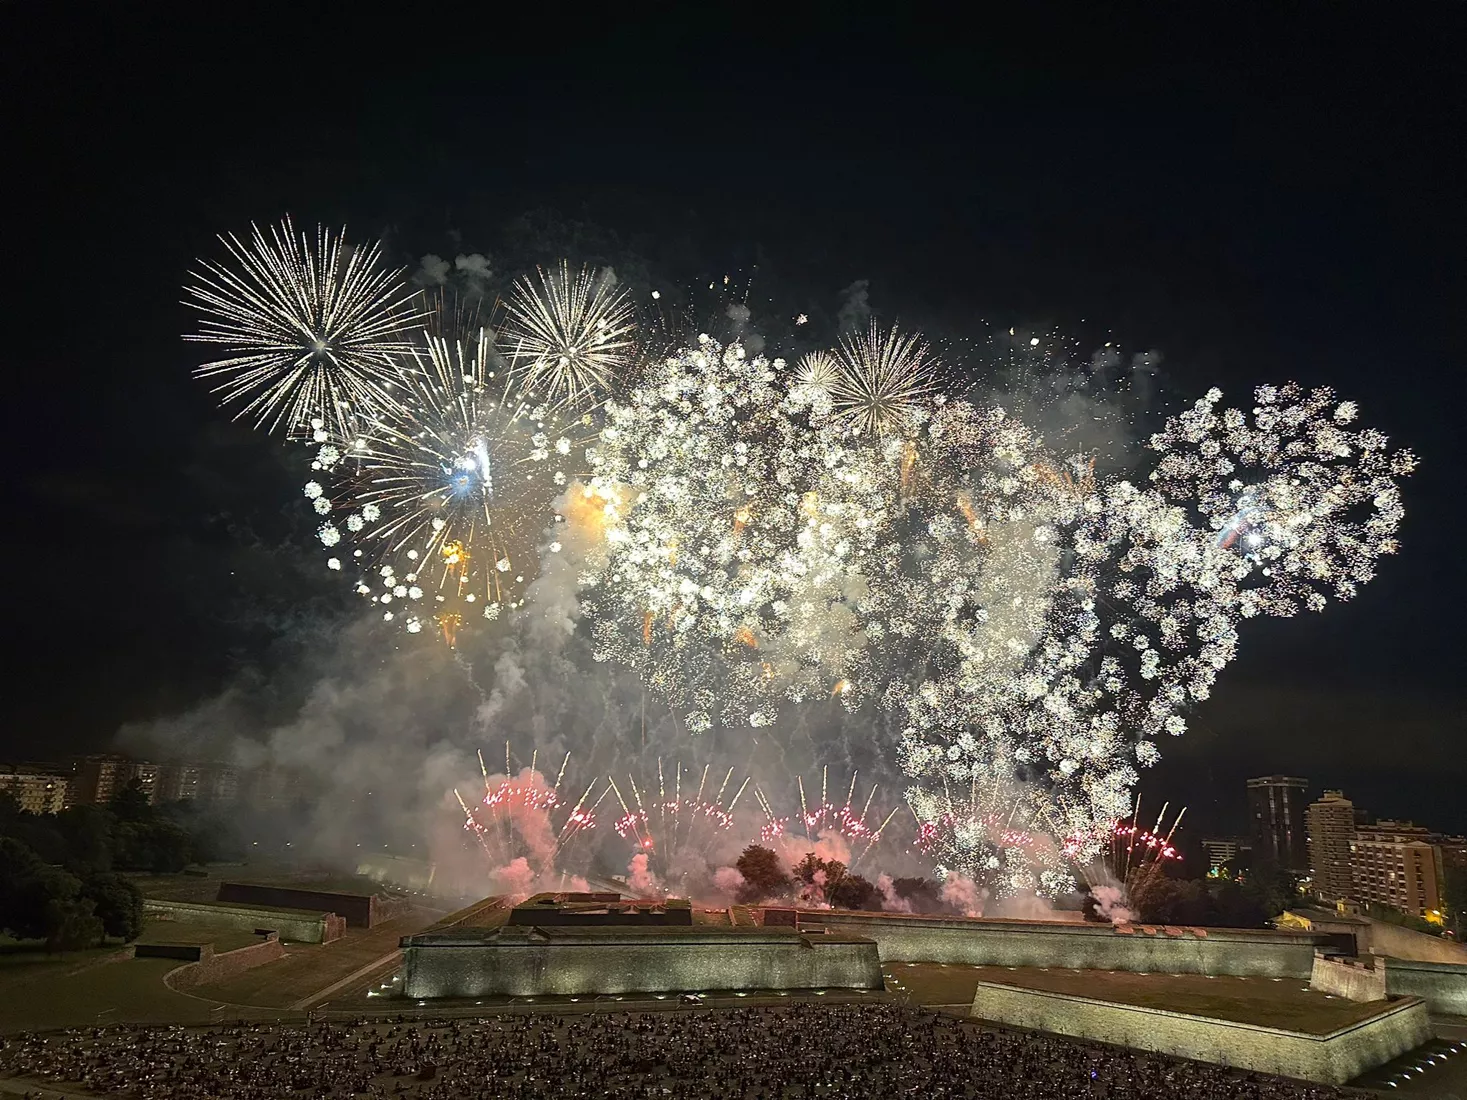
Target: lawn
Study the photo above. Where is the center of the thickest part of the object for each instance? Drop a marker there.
(117, 990)
(1285, 1003)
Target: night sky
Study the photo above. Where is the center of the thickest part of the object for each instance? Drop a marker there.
(1257, 197)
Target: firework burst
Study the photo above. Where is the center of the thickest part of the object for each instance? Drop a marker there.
(883, 382)
(818, 372)
(720, 576)
(449, 499)
(311, 331)
(569, 335)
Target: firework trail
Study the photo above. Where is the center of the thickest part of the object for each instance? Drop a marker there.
(311, 332)
(671, 830)
(851, 820)
(522, 816)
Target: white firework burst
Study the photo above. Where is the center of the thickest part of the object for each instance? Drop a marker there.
(568, 335)
(883, 381)
(450, 497)
(309, 329)
(817, 370)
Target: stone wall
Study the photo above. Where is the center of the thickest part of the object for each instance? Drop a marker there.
(1332, 1059)
(360, 910)
(298, 927)
(1353, 979)
(213, 967)
(533, 962)
(1407, 943)
(185, 952)
(1378, 937)
(1141, 948)
(1443, 986)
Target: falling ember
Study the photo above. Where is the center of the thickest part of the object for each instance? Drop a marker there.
(454, 554)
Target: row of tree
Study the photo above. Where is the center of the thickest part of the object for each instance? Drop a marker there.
(1249, 899)
(828, 881)
(59, 873)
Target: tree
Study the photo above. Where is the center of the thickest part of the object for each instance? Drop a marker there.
(854, 892)
(119, 905)
(131, 804)
(764, 874)
(87, 832)
(71, 923)
(35, 898)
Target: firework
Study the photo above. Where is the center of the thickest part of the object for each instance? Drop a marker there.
(1005, 834)
(1301, 504)
(851, 820)
(883, 381)
(763, 538)
(521, 815)
(567, 335)
(1137, 854)
(311, 331)
(818, 372)
(671, 828)
(720, 577)
(448, 499)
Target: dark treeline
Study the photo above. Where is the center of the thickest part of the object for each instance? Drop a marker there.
(59, 873)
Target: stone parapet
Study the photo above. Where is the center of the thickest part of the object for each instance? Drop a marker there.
(1354, 979)
(534, 962)
(1333, 1058)
(1240, 952)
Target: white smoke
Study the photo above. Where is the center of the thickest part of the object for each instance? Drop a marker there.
(1110, 903)
(891, 901)
(963, 894)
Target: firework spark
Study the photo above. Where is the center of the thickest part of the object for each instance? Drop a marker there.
(568, 335)
(883, 381)
(852, 819)
(672, 829)
(311, 331)
(522, 815)
(448, 500)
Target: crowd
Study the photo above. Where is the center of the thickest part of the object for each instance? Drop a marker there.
(800, 1052)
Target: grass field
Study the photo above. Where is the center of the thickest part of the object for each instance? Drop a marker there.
(223, 939)
(106, 989)
(1285, 1003)
(106, 985)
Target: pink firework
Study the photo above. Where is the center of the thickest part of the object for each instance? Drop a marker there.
(670, 824)
(524, 815)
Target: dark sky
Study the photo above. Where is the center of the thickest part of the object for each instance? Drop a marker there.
(1258, 196)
